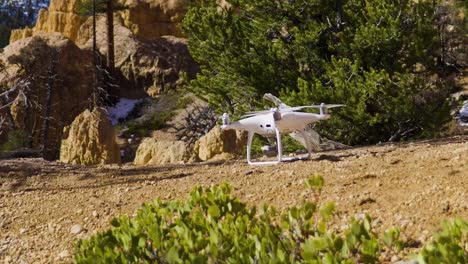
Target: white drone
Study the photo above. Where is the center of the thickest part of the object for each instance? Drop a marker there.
(274, 122)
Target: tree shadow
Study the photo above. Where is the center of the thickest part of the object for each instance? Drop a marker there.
(112, 182)
(15, 173)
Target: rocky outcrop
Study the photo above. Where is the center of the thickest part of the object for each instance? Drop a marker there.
(151, 19)
(154, 152)
(62, 16)
(48, 60)
(90, 139)
(147, 19)
(219, 144)
(148, 49)
(147, 67)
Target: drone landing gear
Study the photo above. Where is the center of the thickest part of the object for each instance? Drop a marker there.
(280, 151)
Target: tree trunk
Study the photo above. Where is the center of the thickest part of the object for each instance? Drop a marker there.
(110, 36)
(95, 98)
(47, 153)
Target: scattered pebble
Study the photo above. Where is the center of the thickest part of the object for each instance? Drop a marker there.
(64, 254)
(76, 229)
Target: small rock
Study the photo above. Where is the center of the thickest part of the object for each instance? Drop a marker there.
(95, 214)
(22, 231)
(76, 229)
(445, 207)
(407, 262)
(394, 259)
(64, 254)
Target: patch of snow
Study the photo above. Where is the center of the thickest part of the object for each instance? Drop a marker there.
(463, 115)
(121, 110)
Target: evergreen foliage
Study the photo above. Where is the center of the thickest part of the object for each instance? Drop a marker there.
(17, 14)
(381, 58)
(17, 140)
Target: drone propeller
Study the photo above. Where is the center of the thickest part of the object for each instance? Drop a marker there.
(321, 106)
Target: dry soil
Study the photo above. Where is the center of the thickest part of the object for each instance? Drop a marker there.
(45, 207)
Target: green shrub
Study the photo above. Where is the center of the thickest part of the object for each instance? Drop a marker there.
(16, 140)
(450, 246)
(144, 127)
(212, 226)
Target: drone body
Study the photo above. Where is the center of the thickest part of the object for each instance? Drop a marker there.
(275, 122)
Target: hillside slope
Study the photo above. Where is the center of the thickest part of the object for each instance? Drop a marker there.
(45, 207)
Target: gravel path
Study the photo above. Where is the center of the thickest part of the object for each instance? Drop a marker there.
(45, 207)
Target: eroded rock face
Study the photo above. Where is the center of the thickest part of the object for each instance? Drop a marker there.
(90, 139)
(151, 19)
(219, 144)
(62, 16)
(147, 19)
(154, 152)
(149, 67)
(149, 52)
(48, 59)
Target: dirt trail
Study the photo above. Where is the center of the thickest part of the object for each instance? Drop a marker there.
(46, 206)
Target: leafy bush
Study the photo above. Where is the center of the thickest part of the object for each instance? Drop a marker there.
(449, 246)
(17, 139)
(212, 226)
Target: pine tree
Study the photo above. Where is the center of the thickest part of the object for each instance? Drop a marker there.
(108, 7)
(380, 58)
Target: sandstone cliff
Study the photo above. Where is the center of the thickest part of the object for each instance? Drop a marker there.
(151, 19)
(147, 66)
(62, 16)
(147, 19)
(148, 49)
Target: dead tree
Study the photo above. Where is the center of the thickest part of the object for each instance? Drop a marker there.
(7, 98)
(47, 153)
(196, 123)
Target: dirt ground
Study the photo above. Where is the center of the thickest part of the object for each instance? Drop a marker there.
(45, 207)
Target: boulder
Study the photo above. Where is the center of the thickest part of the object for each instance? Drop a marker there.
(90, 139)
(219, 144)
(47, 60)
(154, 152)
